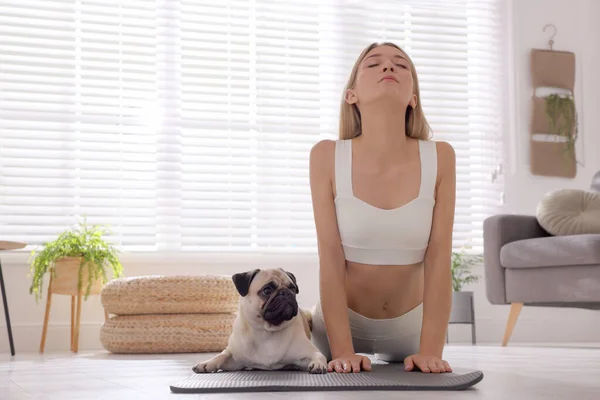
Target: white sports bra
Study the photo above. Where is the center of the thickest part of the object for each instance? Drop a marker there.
(372, 235)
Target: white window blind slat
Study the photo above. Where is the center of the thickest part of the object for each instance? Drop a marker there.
(81, 76)
(187, 125)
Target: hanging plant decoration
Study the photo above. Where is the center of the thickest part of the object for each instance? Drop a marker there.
(562, 114)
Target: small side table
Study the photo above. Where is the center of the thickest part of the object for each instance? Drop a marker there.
(4, 245)
(463, 312)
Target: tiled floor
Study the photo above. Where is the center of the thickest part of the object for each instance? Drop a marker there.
(540, 372)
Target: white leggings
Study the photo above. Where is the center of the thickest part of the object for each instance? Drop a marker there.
(390, 340)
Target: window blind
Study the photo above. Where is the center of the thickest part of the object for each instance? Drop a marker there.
(187, 125)
(78, 83)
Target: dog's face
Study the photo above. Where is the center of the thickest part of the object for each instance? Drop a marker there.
(268, 297)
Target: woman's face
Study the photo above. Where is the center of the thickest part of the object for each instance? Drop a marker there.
(384, 74)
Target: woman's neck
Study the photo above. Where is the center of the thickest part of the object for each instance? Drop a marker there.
(383, 133)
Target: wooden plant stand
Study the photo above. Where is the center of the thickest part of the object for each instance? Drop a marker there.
(65, 283)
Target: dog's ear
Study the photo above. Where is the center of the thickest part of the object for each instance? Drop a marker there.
(293, 278)
(243, 280)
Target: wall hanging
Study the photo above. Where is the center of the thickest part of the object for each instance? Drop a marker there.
(554, 115)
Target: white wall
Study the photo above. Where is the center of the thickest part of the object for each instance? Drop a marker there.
(577, 32)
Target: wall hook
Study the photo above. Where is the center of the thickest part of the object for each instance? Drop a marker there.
(551, 41)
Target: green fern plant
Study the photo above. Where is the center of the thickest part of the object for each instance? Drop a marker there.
(461, 269)
(562, 116)
(83, 241)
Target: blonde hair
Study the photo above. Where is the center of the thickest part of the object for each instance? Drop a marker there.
(416, 125)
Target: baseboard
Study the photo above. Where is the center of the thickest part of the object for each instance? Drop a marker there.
(58, 338)
(534, 330)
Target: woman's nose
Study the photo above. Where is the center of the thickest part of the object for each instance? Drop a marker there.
(390, 67)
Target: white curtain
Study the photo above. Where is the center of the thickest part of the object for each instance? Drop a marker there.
(187, 125)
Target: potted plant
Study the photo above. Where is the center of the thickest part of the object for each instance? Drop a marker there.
(562, 116)
(78, 261)
(462, 301)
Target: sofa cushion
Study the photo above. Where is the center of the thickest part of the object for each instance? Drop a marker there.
(551, 251)
(570, 212)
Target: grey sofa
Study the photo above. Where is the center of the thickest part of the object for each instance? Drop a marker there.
(525, 265)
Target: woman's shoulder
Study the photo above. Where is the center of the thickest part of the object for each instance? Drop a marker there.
(446, 158)
(322, 163)
(323, 149)
(322, 154)
(445, 151)
(323, 145)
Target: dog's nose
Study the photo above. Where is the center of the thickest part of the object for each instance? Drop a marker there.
(284, 292)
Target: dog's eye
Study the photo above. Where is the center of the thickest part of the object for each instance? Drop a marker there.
(292, 288)
(267, 291)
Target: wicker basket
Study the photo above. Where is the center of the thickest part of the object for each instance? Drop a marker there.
(168, 333)
(204, 294)
(67, 278)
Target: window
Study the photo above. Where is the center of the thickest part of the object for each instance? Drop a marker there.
(187, 126)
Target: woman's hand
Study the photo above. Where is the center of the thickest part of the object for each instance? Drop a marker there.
(349, 362)
(426, 363)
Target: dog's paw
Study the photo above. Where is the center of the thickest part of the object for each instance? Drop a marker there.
(317, 367)
(206, 366)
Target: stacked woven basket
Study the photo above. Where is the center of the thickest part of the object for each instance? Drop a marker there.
(160, 314)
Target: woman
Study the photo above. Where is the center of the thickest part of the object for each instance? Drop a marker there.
(383, 200)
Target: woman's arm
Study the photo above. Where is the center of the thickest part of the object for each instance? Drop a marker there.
(332, 267)
(437, 298)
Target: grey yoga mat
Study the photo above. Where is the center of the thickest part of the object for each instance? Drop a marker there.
(383, 376)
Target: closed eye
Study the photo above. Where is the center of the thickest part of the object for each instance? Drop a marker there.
(399, 65)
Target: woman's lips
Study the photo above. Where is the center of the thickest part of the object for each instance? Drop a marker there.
(389, 78)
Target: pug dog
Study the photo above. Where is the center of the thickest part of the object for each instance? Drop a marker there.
(270, 332)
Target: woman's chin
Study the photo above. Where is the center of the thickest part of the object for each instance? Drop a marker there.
(393, 98)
